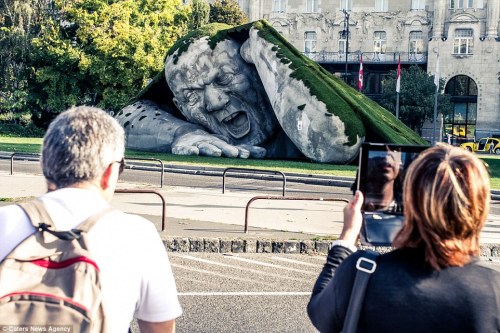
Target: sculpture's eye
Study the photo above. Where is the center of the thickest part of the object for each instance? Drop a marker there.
(224, 79)
(191, 97)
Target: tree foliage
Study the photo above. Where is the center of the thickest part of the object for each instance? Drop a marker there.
(227, 11)
(416, 98)
(94, 52)
(20, 22)
(200, 14)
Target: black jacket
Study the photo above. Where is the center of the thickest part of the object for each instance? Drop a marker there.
(406, 295)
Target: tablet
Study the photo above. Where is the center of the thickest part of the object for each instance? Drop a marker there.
(381, 173)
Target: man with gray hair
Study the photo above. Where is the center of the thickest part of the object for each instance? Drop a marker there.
(82, 157)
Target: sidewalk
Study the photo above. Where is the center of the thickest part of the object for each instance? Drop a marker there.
(207, 219)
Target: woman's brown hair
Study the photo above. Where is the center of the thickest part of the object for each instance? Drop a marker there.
(446, 198)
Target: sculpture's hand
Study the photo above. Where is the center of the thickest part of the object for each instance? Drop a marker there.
(200, 142)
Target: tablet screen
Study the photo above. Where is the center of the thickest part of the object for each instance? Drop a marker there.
(382, 168)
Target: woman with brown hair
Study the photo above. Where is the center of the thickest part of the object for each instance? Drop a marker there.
(433, 281)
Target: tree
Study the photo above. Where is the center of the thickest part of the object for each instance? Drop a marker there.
(416, 98)
(101, 52)
(227, 11)
(200, 14)
(20, 22)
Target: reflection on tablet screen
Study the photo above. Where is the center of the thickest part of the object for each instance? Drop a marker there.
(382, 172)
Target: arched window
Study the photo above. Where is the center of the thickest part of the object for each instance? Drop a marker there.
(461, 122)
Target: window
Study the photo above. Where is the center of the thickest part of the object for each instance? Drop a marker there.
(418, 4)
(460, 122)
(379, 41)
(345, 4)
(309, 42)
(381, 5)
(343, 41)
(416, 44)
(463, 42)
(460, 4)
(311, 6)
(279, 6)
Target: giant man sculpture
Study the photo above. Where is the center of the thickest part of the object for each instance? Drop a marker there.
(246, 92)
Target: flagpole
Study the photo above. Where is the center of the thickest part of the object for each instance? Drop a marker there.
(398, 85)
(435, 116)
(360, 74)
(397, 105)
(436, 82)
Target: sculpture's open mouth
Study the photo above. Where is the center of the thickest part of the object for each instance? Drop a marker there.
(237, 124)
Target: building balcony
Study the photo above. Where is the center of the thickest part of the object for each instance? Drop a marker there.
(368, 57)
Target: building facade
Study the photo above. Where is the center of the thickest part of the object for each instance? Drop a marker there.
(463, 34)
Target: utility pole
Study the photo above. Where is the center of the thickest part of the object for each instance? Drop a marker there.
(346, 34)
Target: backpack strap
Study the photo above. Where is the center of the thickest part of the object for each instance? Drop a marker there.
(40, 219)
(36, 212)
(86, 225)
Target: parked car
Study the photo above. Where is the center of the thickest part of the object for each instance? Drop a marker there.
(485, 145)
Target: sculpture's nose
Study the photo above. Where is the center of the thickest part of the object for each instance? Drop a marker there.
(215, 99)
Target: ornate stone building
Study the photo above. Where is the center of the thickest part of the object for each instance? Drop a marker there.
(463, 33)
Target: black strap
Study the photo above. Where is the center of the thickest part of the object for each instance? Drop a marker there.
(365, 266)
(40, 219)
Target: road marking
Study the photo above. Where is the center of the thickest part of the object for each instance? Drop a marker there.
(320, 257)
(268, 264)
(297, 262)
(204, 271)
(210, 262)
(248, 293)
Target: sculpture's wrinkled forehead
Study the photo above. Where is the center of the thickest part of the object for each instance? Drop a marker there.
(194, 64)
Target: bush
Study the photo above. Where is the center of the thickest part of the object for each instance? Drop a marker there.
(19, 130)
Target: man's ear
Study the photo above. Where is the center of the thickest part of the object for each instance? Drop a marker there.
(106, 177)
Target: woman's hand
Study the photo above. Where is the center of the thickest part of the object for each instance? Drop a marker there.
(353, 219)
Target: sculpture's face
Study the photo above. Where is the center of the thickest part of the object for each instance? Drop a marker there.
(220, 91)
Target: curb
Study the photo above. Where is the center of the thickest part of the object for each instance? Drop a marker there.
(311, 247)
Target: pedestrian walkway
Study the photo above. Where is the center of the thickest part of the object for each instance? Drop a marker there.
(195, 212)
(207, 214)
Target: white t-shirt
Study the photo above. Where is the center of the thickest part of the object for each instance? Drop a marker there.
(137, 280)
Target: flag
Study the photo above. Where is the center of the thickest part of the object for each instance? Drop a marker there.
(398, 81)
(436, 74)
(360, 75)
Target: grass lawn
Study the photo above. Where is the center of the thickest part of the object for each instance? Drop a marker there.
(32, 145)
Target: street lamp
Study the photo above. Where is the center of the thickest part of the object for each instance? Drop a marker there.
(345, 34)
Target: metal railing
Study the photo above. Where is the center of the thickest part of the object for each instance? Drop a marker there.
(164, 203)
(129, 166)
(260, 197)
(253, 171)
(21, 154)
(368, 57)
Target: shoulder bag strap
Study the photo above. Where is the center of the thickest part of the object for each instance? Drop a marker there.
(365, 266)
(40, 219)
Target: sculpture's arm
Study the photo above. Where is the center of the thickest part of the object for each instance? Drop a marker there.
(150, 128)
(316, 131)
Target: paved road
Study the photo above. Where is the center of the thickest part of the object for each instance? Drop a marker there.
(227, 293)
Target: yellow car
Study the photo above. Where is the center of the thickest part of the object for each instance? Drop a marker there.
(485, 145)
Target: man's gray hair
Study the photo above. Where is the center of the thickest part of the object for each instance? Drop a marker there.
(79, 145)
